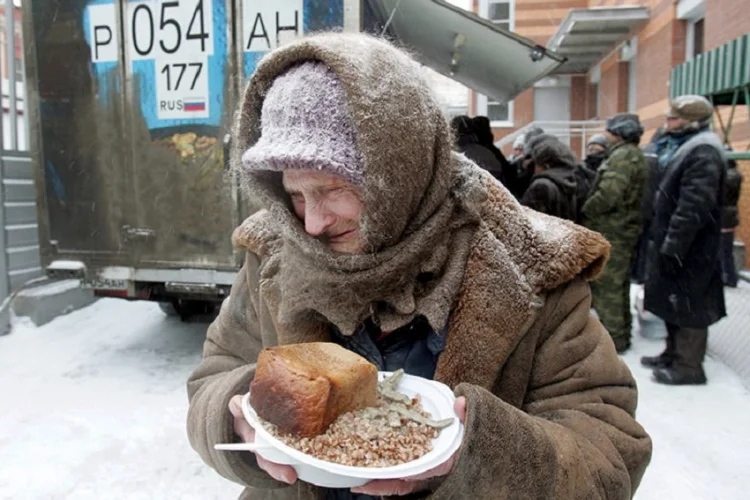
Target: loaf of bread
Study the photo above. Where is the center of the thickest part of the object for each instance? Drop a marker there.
(304, 388)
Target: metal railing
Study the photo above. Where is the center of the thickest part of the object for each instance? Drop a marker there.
(566, 131)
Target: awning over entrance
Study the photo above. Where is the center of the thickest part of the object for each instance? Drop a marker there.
(587, 35)
(723, 76)
(463, 46)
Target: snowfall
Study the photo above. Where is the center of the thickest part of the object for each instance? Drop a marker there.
(93, 406)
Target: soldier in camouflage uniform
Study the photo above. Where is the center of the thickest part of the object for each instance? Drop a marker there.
(614, 209)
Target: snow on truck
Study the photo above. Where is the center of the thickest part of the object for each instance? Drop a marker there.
(131, 103)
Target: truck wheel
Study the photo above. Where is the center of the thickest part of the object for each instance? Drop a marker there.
(186, 309)
(169, 309)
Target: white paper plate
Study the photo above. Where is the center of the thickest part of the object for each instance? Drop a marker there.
(437, 400)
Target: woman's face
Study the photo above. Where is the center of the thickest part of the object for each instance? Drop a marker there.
(330, 208)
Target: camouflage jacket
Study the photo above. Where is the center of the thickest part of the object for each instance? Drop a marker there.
(613, 207)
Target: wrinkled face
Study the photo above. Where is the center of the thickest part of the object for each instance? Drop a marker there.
(676, 123)
(329, 207)
(593, 149)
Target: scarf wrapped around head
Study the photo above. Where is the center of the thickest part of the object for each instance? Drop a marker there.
(357, 107)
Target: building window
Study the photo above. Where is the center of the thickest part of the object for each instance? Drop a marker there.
(698, 46)
(693, 13)
(498, 112)
(502, 14)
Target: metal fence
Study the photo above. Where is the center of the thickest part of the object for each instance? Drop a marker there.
(566, 131)
(19, 238)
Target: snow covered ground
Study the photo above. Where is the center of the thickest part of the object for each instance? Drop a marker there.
(93, 406)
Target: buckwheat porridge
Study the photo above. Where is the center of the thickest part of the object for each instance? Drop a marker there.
(395, 431)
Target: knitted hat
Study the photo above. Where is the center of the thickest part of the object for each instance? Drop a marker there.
(305, 124)
(518, 143)
(626, 126)
(598, 139)
(693, 108)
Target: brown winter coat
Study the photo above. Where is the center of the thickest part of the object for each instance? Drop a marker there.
(550, 405)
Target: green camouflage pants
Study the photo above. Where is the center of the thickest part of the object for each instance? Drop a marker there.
(611, 292)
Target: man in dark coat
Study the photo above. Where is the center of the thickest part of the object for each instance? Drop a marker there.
(683, 282)
(647, 206)
(523, 166)
(483, 131)
(614, 210)
(553, 187)
(467, 142)
(730, 219)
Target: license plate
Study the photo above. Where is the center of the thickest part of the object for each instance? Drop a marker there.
(106, 284)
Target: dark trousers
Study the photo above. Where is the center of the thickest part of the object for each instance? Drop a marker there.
(729, 271)
(686, 347)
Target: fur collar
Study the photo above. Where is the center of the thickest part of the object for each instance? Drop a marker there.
(516, 257)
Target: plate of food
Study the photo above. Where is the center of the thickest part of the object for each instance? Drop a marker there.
(340, 423)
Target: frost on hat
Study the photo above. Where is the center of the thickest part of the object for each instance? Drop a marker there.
(305, 124)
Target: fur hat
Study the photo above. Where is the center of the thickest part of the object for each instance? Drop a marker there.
(626, 126)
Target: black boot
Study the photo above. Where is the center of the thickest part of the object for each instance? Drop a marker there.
(687, 367)
(665, 359)
(680, 375)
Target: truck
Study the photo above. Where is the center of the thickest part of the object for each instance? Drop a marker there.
(131, 104)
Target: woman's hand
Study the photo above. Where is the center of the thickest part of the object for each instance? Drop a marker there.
(282, 473)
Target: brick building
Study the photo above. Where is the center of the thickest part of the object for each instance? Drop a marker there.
(620, 57)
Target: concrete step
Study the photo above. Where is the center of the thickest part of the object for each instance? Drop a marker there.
(50, 299)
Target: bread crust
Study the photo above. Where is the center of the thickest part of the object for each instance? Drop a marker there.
(304, 388)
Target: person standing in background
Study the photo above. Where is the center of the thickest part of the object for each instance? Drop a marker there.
(483, 131)
(553, 187)
(467, 142)
(517, 149)
(597, 150)
(524, 166)
(596, 153)
(683, 277)
(614, 210)
(730, 219)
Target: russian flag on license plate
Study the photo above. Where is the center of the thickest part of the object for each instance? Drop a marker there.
(194, 105)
